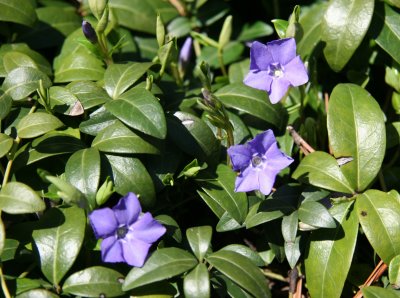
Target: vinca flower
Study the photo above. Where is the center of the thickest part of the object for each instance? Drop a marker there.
(127, 234)
(259, 161)
(274, 67)
(185, 54)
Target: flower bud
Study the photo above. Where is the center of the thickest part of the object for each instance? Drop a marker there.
(89, 32)
(97, 7)
(105, 191)
(185, 54)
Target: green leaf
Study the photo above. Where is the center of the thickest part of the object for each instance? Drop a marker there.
(6, 144)
(139, 109)
(221, 189)
(289, 226)
(356, 129)
(394, 272)
(378, 213)
(94, 282)
(315, 214)
(64, 101)
(232, 52)
(292, 251)
(117, 138)
(179, 27)
(98, 120)
(12, 60)
(172, 226)
(162, 264)
(5, 104)
(88, 93)
(22, 81)
(59, 240)
(36, 124)
(344, 26)
(10, 248)
(226, 32)
(322, 170)
(193, 136)
(246, 252)
(69, 193)
(227, 223)
(253, 102)
(37, 293)
(238, 71)
(196, 283)
(377, 292)
(119, 77)
(18, 11)
(83, 171)
(330, 253)
(241, 271)
(140, 15)
(256, 30)
(199, 239)
(19, 198)
(129, 174)
(388, 38)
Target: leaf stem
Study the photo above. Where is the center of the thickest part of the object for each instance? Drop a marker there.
(4, 284)
(221, 62)
(273, 275)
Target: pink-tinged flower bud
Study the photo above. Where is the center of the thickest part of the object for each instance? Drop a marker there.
(89, 32)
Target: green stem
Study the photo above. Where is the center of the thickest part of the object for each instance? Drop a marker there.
(275, 276)
(4, 287)
(221, 62)
(104, 50)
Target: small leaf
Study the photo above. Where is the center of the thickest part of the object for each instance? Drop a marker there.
(378, 213)
(199, 239)
(226, 32)
(162, 264)
(94, 282)
(196, 283)
(315, 214)
(59, 241)
(289, 226)
(5, 104)
(292, 251)
(36, 124)
(240, 270)
(19, 198)
(6, 144)
(394, 272)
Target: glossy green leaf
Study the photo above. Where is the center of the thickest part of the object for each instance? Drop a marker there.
(199, 239)
(37, 293)
(394, 272)
(330, 253)
(119, 77)
(173, 229)
(292, 251)
(378, 292)
(5, 104)
(19, 198)
(162, 264)
(240, 270)
(139, 109)
(356, 129)
(36, 124)
(378, 213)
(83, 171)
(179, 27)
(22, 81)
(196, 283)
(227, 223)
(117, 138)
(129, 174)
(94, 282)
(316, 215)
(6, 144)
(88, 93)
(247, 252)
(66, 191)
(10, 248)
(98, 120)
(13, 59)
(222, 191)
(59, 240)
(64, 101)
(238, 71)
(193, 136)
(290, 224)
(256, 30)
(18, 11)
(232, 52)
(388, 38)
(344, 26)
(252, 101)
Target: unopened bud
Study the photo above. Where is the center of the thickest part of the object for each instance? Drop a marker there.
(185, 54)
(89, 32)
(105, 191)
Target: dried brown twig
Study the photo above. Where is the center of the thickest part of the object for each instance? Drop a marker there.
(304, 146)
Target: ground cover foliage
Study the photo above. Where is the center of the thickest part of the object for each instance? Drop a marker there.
(144, 98)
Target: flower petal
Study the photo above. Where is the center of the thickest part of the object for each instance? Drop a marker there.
(279, 88)
(282, 50)
(135, 251)
(111, 250)
(147, 229)
(266, 180)
(295, 72)
(240, 156)
(259, 80)
(128, 209)
(260, 56)
(247, 180)
(103, 222)
(276, 159)
(262, 142)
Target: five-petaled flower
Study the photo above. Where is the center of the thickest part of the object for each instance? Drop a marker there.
(274, 67)
(259, 161)
(127, 234)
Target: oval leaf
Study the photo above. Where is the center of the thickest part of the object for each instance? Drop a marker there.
(197, 283)
(18, 11)
(240, 270)
(36, 124)
(377, 292)
(330, 253)
(379, 215)
(59, 240)
(356, 129)
(162, 264)
(94, 282)
(394, 272)
(199, 239)
(315, 214)
(19, 198)
(6, 144)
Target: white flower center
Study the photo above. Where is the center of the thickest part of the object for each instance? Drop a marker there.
(256, 161)
(275, 70)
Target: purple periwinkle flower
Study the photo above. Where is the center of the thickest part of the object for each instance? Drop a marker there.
(89, 32)
(127, 234)
(274, 67)
(185, 53)
(259, 161)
